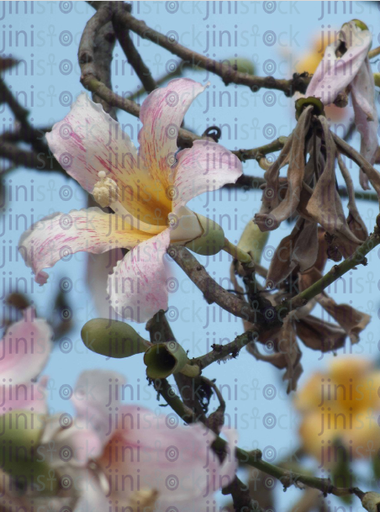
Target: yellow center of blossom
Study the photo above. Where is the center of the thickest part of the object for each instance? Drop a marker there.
(144, 499)
(106, 191)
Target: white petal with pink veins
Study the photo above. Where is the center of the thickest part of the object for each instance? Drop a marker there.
(25, 350)
(138, 286)
(61, 235)
(161, 114)
(205, 167)
(88, 141)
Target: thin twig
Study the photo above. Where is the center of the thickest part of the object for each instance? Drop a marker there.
(227, 72)
(211, 290)
(133, 56)
(219, 352)
(335, 273)
(286, 477)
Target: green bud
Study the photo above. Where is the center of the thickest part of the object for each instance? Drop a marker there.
(371, 501)
(301, 103)
(212, 239)
(243, 65)
(376, 77)
(112, 338)
(253, 241)
(360, 24)
(21, 432)
(164, 359)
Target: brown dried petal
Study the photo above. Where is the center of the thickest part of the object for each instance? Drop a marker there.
(366, 167)
(320, 335)
(288, 354)
(300, 248)
(354, 220)
(349, 318)
(272, 178)
(268, 219)
(325, 205)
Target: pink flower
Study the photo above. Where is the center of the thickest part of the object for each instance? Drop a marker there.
(351, 69)
(24, 351)
(147, 190)
(107, 442)
(126, 455)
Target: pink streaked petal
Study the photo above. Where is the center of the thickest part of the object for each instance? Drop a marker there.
(138, 286)
(30, 396)
(95, 392)
(25, 349)
(61, 235)
(205, 167)
(333, 74)
(88, 140)
(161, 114)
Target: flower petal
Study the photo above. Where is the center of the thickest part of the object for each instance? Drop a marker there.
(88, 141)
(175, 460)
(161, 114)
(334, 74)
(31, 396)
(366, 118)
(25, 349)
(138, 286)
(60, 235)
(95, 392)
(205, 167)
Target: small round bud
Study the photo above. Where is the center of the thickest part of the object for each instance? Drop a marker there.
(22, 431)
(253, 241)
(360, 24)
(112, 338)
(211, 241)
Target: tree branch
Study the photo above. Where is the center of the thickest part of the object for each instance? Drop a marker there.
(286, 477)
(335, 273)
(211, 290)
(133, 56)
(227, 72)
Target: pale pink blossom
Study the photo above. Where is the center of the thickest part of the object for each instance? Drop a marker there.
(140, 456)
(147, 189)
(352, 70)
(24, 352)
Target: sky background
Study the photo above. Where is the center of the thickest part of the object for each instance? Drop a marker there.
(274, 37)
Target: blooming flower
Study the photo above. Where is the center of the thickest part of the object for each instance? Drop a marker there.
(340, 405)
(345, 63)
(108, 452)
(147, 190)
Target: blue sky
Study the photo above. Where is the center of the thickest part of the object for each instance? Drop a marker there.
(273, 36)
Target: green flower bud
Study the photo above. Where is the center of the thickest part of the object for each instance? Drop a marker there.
(243, 65)
(21, 432)
(360, 24)
(211, 241)
(112, 338)
(164, 359)
(376, 77)
(253, 241)
(301, 103)
(371, 501)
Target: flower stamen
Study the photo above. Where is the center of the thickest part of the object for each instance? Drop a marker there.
(106, 190)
